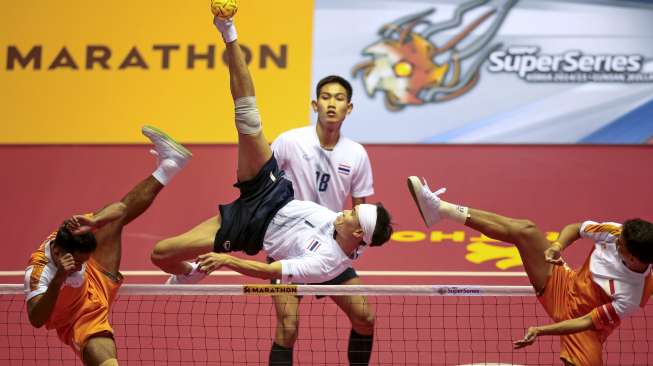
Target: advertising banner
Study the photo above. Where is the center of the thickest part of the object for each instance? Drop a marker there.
(93, 72)
(500, 71)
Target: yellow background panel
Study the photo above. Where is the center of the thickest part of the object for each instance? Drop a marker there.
(66, 105)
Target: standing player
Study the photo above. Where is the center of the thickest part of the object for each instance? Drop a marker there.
(326, 167)
(74, 276)
(586, 304)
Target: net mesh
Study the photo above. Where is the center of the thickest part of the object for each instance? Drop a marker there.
(414, 325)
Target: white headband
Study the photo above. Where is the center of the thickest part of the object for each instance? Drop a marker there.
(367, 219)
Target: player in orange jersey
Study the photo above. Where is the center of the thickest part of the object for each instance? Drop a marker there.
(586, 304)
(73, 277)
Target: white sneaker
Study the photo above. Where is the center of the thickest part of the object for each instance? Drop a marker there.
(427, 202)
(194, 276)
(166, 149)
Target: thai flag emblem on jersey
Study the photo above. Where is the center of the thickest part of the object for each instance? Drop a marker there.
(313, 246)
(344, 169)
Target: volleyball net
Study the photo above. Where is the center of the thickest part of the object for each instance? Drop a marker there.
(235, 325)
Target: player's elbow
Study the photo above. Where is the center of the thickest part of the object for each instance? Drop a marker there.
(588, 322)
(266, 276)
(573, 229)
(273, 271)
(36, 324)
(35, 321)
(272, 275)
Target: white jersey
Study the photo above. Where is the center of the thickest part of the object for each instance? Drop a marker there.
(323, 176)
(627, 289)
(300, 236)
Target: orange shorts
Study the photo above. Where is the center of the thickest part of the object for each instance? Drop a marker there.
(567, 295)
(92, 318)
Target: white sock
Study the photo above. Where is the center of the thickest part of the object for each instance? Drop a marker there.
(167, 169)
(454, 212)
(226, 28)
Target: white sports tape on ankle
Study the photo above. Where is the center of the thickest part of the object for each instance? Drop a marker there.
(248, 120)
(226, 28)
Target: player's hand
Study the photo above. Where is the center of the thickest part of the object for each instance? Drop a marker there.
(528, 339)
(80, 224)
(65, 265)
(210, 262)
(553, 254)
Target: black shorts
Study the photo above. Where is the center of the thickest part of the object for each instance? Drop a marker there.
(245, 220)
(345, 276)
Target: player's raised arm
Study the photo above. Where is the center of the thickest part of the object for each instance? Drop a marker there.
(568, 235)
(40, 307)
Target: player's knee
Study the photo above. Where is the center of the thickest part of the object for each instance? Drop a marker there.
(248, 119)
(100, 350)
(363, 323)
(524, 229)
(161, 255)
(288, 336)
(110, 362)
(288, 326)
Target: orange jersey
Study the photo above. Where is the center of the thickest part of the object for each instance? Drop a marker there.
(82, 307)
(603, 287)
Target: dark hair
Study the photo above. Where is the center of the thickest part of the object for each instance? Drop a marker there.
(70, 243)
(638, 237)
(383, 230)
(334, 79)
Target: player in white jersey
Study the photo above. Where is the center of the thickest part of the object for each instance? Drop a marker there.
(326, 167)
(309, 243)
(586, 304)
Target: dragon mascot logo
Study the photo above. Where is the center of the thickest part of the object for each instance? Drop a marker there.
(411, 69)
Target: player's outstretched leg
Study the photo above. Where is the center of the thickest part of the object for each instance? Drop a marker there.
(527, 237)
(100, 349)
(253, 149)
(171, 158)
(173, 254)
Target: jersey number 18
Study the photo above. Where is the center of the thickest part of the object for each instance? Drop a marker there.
(322, 180)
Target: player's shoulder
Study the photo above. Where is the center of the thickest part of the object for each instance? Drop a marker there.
(306, 205)
(350, 145)
(297, 133)
(591, 226)
(295, 140)
(39, 256)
